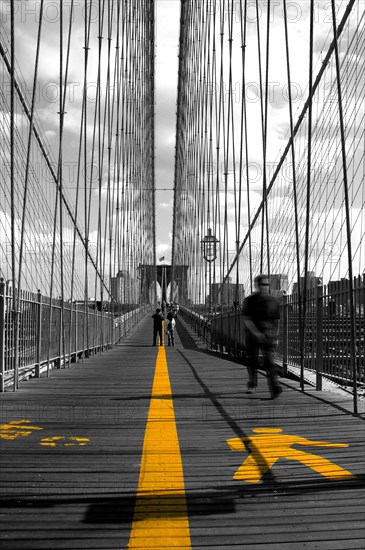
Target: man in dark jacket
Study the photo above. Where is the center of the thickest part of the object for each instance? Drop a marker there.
(157, 326)
(261, 316)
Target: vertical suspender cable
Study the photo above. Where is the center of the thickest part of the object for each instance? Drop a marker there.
(100, 163)
(230, 128)
(78, 177)
(244, 128)
(68, 50)
(308, 201)
(292, 147)
(230, 125)
(109, 216)
(117, 154)
(60, 186)
(86, 293)
(29, 147)
(27, 167)
(12, 192)
(52, 272)
(265, 207)
(106, 125)
(262, 137)
(347, 208)
(62, 103)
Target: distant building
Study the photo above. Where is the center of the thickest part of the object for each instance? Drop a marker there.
(121, 287)
(339, 297)
(279, 283)
(312, 282)
(228, 293)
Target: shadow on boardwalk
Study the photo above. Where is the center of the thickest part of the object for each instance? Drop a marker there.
(215, 500)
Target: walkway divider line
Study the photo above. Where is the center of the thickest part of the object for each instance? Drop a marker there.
(160, 514)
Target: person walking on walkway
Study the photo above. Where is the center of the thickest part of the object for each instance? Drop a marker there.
(261, 317)
(170, 331)
(171, 314)
(157, 326)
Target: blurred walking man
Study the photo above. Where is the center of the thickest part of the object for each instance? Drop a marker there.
(261, 316)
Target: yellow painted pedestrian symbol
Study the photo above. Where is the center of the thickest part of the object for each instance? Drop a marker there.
(60, 440)
(17, 428)
(270, 445)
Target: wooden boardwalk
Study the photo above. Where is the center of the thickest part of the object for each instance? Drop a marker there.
(70, 471)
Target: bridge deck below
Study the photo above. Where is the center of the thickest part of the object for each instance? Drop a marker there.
(75, 459)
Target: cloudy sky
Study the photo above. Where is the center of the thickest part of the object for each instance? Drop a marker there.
(167, 40)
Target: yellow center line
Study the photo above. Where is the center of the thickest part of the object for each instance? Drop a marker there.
(160, 515)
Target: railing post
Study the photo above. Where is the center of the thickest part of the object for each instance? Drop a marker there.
(97, 334)
(2, 332)
(102, 321)
(69, 334)
(285, 334)
(125, 324)
(15, 343)
(59, 360)
(111, 329)
(76, 330)
(39, 334)
(319, 336)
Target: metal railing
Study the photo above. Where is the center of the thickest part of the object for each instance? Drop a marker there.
(46, 334)
(327, 342)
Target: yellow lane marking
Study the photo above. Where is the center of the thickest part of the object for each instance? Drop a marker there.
(271, 444)
(160, 515)
(16, 428)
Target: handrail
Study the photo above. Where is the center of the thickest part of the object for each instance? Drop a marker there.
(34, 347)
(326, 345)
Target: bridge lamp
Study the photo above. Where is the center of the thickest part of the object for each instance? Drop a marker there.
(209, 247)
(209, 244)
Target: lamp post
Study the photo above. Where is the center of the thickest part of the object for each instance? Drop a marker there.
(209, 254)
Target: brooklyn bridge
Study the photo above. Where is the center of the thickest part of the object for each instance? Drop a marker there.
(156, 157)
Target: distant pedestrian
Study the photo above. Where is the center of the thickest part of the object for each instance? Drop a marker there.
(170, 332)
(157, 326)
(261, 316)
(171, 314)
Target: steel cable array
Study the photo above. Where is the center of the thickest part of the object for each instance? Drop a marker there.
(281, 183)
(77, 167)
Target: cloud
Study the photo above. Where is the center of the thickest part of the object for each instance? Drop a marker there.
(163, 249)
(51, 134)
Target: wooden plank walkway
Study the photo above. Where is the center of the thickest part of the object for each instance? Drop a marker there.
(70, 469)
